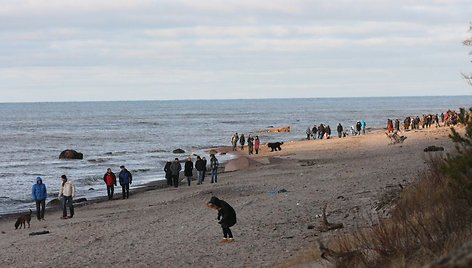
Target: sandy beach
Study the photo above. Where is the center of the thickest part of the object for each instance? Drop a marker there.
(276, 195)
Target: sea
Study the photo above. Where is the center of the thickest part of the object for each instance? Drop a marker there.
(142, 135)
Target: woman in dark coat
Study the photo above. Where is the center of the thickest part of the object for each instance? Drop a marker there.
(168, 173)
(188, 170)
(226, 217)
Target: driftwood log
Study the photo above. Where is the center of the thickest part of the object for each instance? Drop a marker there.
(327, 226)
(39, 233)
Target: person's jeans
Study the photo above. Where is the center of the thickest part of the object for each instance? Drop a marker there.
(214, 175)
(67, 202)
(200, 176)
(110, 191)
(40, 206)
(125, 190)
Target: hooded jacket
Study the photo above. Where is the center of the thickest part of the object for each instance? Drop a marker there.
(39, 192)
(226, 213)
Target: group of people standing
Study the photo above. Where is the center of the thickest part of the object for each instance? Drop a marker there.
(125, 179)
(66, 194)
(253, 143)
(324, 131)
(172, 170)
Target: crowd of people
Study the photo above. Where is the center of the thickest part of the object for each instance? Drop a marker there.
(450, 118)
(172, 170)
(253, 143)
(324, 131)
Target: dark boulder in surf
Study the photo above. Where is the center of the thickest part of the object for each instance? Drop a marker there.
(71, 154)
(178, 151)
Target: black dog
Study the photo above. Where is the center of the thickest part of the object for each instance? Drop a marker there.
(274, 146)
(23, 219)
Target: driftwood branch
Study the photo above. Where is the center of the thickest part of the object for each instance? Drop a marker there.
(39, 233)
(327, 226)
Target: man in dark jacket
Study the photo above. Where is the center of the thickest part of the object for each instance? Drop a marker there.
(200, 167)
(39, 194)
(226, 217)
(340, 130)
(175, 169)
(125, 180)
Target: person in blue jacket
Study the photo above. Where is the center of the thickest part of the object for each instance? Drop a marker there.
(125, 180)
(39, 194)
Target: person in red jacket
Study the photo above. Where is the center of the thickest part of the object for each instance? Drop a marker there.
(110, 181)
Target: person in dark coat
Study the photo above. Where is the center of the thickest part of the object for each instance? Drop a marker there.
(188, 170)
(200, 167)
(175, 169)
(168, 173)
(226, 217)
(204, 168)
(340, 130)
(125, 180)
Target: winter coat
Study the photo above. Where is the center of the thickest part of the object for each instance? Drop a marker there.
(226, 213)
(39, 191)
(257, 143)
(188, 170)
(110, 179)
(200, 165)
(340, 128)
(242, 140)
(167, 170)
(214, 163)
(67, 189)
(125, 177)
(175, 168)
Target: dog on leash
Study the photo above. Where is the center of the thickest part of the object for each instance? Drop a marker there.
(23, 219)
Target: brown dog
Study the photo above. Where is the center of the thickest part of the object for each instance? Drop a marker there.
(23, 219)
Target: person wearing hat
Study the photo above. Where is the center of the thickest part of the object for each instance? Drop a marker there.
(39, 194)
(125, 180)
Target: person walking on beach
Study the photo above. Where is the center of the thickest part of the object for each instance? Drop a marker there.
(66, 194)
(204, 168)
(110, 181)
(234, 141)
(328, 132)
(389, 125)
(168, 173)
(308, 133)
(250, 144)
(314, 132)
(200, 167)
(339, 129)
(363, 125)
(175, 169)
(125, 180)
(242, 141)
(358, 127)
(226, 217)
(188, 170)
(214, 168)
(257, 144)
(39, 193)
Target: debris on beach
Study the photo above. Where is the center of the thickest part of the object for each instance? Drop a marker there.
(433, 148)
(327, 226)
(39, 233)
(275, 130)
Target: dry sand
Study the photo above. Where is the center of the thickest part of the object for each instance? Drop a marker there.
(172, 227)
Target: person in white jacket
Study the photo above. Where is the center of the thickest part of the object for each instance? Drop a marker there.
(66, 194)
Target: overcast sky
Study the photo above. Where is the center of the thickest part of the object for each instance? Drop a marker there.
(62, 50)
